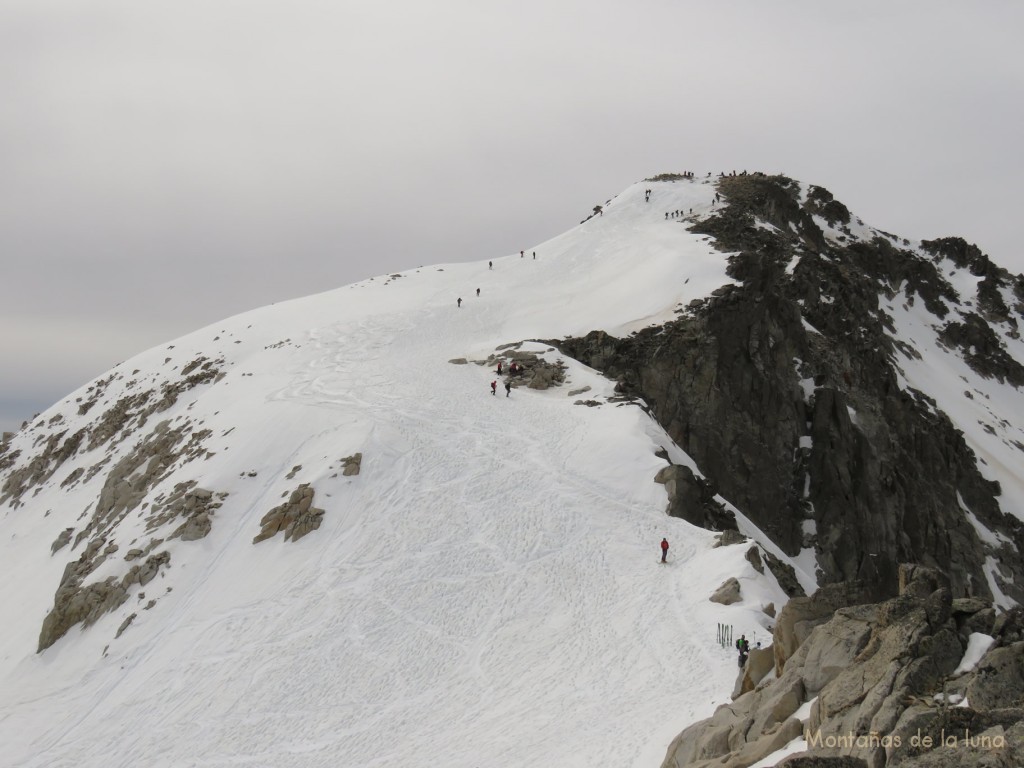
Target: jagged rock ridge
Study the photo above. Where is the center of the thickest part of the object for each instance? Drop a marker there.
(787, 390)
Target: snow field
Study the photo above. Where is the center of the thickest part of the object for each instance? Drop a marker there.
(486, 590)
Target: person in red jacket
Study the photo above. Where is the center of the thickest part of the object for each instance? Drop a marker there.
(664, 549)
(494, 387)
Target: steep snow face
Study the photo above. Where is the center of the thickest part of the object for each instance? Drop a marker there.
(484, 590)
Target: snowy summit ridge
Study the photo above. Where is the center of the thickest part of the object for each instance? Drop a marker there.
(310, 535)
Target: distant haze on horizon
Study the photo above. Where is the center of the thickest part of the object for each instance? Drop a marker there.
(168, 166)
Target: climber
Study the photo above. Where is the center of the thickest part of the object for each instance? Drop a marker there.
(494, 387)
(743, 646)
(664, 550)
(508, 388)
(459, 302)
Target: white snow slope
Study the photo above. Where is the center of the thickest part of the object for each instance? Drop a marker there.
(484, 592)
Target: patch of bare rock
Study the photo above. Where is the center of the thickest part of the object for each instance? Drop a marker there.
(883, 685)
(295, 518)
(76, 602)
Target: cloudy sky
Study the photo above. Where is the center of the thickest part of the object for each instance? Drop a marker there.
(166, 164)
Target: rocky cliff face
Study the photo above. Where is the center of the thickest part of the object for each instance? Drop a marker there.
(787, 390)
(875, 685)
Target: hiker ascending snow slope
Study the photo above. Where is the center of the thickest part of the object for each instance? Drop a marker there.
(494, 387)
(458, 302)
(664, 549)
(508, 388)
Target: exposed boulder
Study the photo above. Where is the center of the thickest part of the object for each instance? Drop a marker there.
(821, 202)
(1009, 626)
(352, 464)
(531, 369)
(75, 604)
(692, 498)
(802, 614)
(62, 540)
(998, 681)
(540, 374)
(728, 537)
(961, 736)
(728, 593)
(147, 571)
(722, 742)
(196, 527)
(296, 517)
(760, 661)
(125, 624)
(196, 505)
(753, 556)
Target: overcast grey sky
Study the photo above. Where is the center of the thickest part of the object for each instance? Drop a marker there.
(164, 165)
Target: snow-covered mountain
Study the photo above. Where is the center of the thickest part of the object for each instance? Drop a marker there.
(312, 534)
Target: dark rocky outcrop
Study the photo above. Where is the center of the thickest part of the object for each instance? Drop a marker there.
(692, 498)
(821, 202)
(784, 388)
(982, 349)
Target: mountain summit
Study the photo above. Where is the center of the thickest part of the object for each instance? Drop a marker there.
(315, 535)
